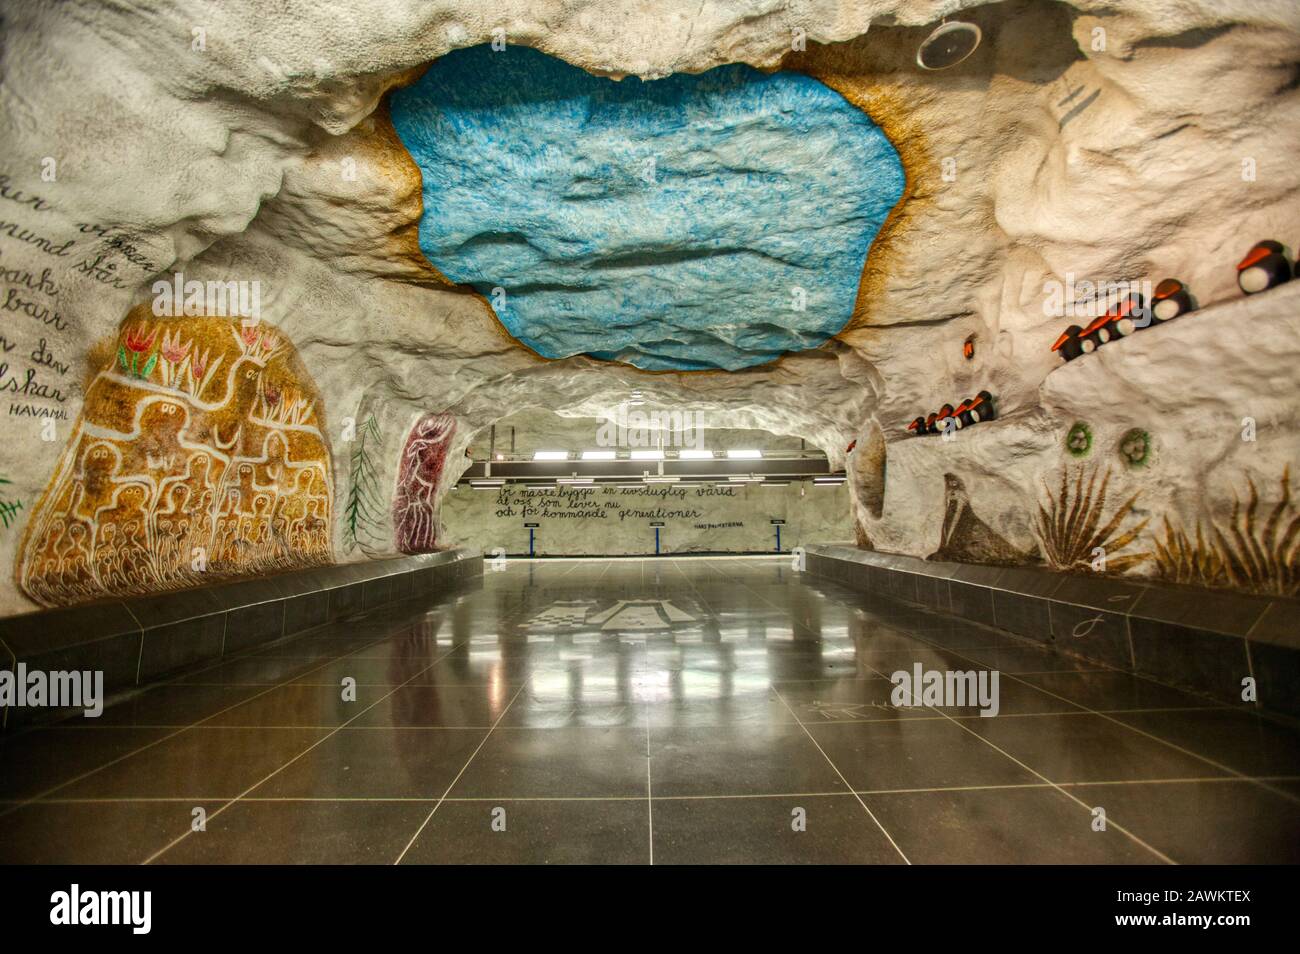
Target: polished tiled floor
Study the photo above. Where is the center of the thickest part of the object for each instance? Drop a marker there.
(674, 710)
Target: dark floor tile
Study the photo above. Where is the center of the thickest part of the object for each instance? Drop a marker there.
(253, 670)
(915, 753)
(1021, 659)
(1093, 633)
(366, 671)
(559, 714)
(1240, 740)
(438, 706)
(840, 700)
(586, 831)
(1110, 689)
(760, 759)
(712, 831)
(175, 704)
(811, 666)
(93, 833)
(738, 701)
(1182, 654)
(39, 759)
(557, 763)
(958, 635)
(300, 705)
(377, 763)
(1023, 614)
(481, 668)
(1000, 826)
(1087, 748)
(197, 763)
(1205, 823)
(582, 708)
(303, 832)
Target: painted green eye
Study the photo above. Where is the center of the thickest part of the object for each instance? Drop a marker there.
(1135, 447)
(1079, 440)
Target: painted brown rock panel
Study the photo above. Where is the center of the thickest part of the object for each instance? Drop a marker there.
(199, 455)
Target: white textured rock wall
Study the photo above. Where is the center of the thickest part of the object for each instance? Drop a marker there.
(129, 152)
(613, 521)
(1213, 396)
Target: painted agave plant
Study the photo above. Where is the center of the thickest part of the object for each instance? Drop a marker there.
(1251, 552)
(1071, 530)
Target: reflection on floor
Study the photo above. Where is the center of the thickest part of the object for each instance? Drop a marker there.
(669, 710)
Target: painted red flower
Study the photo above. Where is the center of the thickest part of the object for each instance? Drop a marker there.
(272, 395)
(136, 341)
(172, 350)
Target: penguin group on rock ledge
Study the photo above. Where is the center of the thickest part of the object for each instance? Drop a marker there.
(1265, 266)
(970, 411)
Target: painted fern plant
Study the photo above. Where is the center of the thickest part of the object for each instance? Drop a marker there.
(364, 509)
(1248, 553)
(1070, 526)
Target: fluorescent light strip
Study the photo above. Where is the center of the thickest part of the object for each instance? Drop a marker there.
(551, 455)
(647, 455)
(744, 454)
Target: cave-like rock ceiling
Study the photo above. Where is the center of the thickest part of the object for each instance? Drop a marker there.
(716, 220)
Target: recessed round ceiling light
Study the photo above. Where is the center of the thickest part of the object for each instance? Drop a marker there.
(948, 45)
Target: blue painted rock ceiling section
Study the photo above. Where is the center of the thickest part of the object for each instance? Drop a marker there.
(668, 224)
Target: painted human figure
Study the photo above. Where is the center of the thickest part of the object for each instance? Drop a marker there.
(415, 513)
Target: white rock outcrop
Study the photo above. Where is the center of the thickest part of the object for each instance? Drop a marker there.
(1108, 140)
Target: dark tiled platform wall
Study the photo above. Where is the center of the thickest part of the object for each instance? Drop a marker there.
(1203, 640)
(135, 642)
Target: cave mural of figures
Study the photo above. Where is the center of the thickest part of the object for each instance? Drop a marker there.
(415, 504)
(199, 455)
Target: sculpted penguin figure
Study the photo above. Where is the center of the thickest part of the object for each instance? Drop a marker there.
(1264, 267)
(1068, 345)
(1169, 300)
(981, 407)
(1128, 315)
